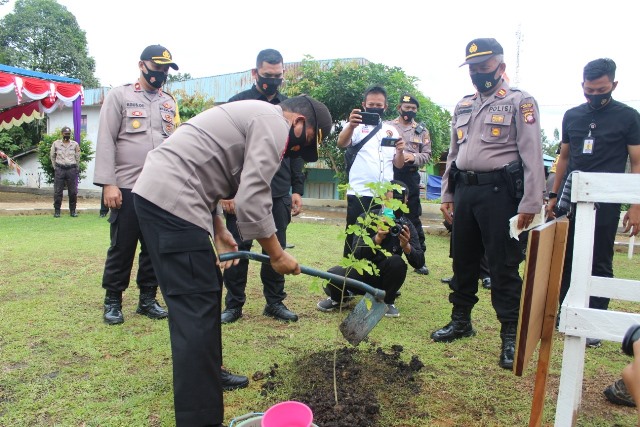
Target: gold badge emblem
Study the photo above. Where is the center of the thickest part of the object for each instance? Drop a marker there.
(529, 118)
(166, 105)
(135, 124)
(168, 118)
(166, 55)
(496, 118)
(460, 133)
(406, 98)
(495, 131)
(501, 93)
(473, 48)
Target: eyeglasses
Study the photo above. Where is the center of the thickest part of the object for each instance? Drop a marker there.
(315, 117)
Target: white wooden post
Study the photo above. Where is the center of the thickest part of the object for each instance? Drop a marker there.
(577, 320)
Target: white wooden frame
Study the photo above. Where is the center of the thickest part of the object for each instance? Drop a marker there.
(577, 320)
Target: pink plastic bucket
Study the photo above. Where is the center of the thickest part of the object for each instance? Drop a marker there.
(288, 414)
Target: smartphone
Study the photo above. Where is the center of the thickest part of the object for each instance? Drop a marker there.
(370, 118)
(389, 142)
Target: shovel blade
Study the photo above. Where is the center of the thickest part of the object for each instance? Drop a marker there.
(364, 317)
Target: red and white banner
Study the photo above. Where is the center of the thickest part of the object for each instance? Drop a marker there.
(11, 163)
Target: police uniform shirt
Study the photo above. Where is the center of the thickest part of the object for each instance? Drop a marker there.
(132, 123)
(229, 151)
(418, 145)
(485, 136)
(290, 175)
(65, 154)
(373, 163)
(613, 128)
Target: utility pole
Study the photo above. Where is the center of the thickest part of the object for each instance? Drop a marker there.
(519, 39)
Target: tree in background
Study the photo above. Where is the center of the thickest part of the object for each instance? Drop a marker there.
(549, 146)
(41, 35)
(340, 87)
(44, 150)
(190, 105)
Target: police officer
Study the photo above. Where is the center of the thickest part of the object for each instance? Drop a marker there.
(495, 149)
(417, 152)
(268, 76)
(134, 119)
(65, 158)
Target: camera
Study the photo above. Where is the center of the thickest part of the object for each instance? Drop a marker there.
(395, 230)
(632, 335)
(389, 142)
(370, 118)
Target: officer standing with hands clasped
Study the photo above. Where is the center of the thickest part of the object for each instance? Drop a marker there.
(495, 150)
(417, 152)
(134, 119)
(65, 159)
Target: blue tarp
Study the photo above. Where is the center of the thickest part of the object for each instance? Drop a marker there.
(434, 183)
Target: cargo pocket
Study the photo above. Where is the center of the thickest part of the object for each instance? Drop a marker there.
(462, 126)
(137, 120)
(496, 128)
(188, 262)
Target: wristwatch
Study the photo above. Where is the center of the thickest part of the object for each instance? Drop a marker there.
(553, 195)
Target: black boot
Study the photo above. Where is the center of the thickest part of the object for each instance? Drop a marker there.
(148, 305)
(459, 327)
(231, 381)
(113, 308)
(56, 213)
(508, 335)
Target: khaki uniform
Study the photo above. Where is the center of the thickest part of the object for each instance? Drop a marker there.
(65, 158)
(486, 136)
(418, 145)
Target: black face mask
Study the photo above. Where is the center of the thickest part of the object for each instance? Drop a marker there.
(66, 137)
(268, 85)
(484, 82)
(408, 116)
(296, 142)
(598, 101)
(154, 78)
(379, 111)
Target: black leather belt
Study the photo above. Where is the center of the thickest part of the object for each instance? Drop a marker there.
(58, 165)
(480, 178)
(407, 169)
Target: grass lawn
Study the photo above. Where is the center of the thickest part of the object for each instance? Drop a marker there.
(61, 366)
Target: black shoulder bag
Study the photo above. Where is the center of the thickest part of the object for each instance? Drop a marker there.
(351, 152)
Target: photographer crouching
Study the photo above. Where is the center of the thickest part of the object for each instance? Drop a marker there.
(397, 237)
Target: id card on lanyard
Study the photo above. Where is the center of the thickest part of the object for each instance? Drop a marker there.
(589, 141)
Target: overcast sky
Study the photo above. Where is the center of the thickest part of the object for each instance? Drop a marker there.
(426, 39)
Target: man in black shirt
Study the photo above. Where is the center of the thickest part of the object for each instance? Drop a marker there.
(598, 136)
(268, 76)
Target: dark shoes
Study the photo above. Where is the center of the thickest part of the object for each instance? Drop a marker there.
(113, 308)
(459, 327)
(617, 393)
(508, 335)
(148, 305)
(486, 283)
(74, 214)
(422, 270)
(230, 315)
(231, 381)
(446, 280)
(279, 311)
(593, 343)
(56, 213)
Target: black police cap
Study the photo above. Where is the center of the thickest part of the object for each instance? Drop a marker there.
(408, 99)
(479, 50)
(65, 129)
(159, 55)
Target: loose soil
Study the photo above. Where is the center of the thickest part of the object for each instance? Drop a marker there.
(366, 380)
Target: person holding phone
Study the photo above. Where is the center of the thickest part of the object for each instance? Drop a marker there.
(373, 162)
(417, 152)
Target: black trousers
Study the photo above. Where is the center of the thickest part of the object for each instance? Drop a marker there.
(125, 234)
(607, 218)
(356, 206)
(484, 264)
(235, 278)
(393, 271)
(481, 224)
(190, 283)
(412, 180)
(69, 178)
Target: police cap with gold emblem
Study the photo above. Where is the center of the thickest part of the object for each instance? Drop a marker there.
(479, 50)
(159, 55)
(408, 99)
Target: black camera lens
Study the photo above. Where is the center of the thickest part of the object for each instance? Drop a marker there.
(395, 230)
(632, 335)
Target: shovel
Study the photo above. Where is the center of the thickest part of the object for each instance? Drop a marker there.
(365, 315)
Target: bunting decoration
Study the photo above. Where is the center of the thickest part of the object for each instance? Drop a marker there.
(11, 163)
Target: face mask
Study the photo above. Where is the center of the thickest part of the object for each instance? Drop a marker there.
(598, 101)
(379, 111)
(268, 85)
(408, 116)
(154, 78)
(66, 137)
(484, 82)
(388, 213)
(296, 142)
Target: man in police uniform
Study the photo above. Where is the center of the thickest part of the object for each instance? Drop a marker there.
(495, 149)
(65, 159)
(417, 152)
(268, 76)
(134, 119)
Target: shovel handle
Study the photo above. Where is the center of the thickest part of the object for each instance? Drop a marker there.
(378, 294)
